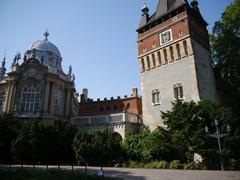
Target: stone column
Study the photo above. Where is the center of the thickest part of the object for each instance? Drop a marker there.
(169, 57)
(46, 100)
(140, 63)
(151, 61)
(156, 59)
(175, 53)
(182, 50)
(189, 46)
(163, 57)
(67, 103)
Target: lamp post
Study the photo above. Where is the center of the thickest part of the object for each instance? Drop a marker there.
(218, 136)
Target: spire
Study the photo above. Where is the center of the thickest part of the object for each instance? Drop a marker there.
(145, 15)
(46, 34)
(194, 3)
(3, 69)
(145, 9)
(166, 6)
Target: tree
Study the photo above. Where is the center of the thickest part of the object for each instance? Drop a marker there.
(100, 148)
(186, 122)
(225, 45)
(146, 146)
(8, 133)
(44, 142)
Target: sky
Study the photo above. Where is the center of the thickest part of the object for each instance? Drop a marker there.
(97, 37)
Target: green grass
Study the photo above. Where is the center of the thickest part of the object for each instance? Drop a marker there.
(23, 174)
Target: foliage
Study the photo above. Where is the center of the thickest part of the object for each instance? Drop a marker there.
(100, 148)
(225, 45)
(24, 174)
(44, 142)
(186, 122)
(8, 132)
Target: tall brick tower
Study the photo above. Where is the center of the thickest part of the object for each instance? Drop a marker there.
(174, 58)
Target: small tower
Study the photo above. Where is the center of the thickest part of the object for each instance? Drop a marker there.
(3, 69)
(174, 58)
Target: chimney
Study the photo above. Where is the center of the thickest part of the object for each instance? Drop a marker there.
(134, 92)
(84, 95)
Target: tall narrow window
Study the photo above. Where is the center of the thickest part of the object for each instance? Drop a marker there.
(171, 53)
(58, 101)
(185, 47)
(159, 58)
(178, 51)
(153, 60)
(2, 101)
(143, 64)
(178, 91)
(148, 62)
(30, 98)
(156, 97)
(165, 56)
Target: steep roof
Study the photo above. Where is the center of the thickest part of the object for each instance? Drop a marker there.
(165, 7)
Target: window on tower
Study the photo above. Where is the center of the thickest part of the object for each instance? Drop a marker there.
(30, 98)
(156, 97)
(178, 91)
(58, 101)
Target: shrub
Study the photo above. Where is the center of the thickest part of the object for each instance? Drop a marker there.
(176, 164)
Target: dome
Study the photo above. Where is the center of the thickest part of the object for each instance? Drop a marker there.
(45, 45)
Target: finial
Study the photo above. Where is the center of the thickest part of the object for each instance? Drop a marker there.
(145, 9)
(46, 34)
(194, 3)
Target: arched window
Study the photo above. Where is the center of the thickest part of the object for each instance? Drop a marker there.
(30, 98)
(2, 101)
(58, 101)
(156, 97)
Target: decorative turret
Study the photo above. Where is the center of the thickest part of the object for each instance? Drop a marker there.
(145, 15)
(194, 3)
(3, 69)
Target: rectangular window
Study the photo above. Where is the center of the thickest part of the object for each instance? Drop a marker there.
(178, 91)
(156, 97)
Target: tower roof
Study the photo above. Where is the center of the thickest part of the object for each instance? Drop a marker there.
(165, 7)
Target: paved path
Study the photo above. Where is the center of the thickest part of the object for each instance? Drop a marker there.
(151, 174)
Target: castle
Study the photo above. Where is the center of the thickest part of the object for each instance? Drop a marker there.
(174, 58)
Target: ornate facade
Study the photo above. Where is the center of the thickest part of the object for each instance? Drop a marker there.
(38, 87)
(174, 58)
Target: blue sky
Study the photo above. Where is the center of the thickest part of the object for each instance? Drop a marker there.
(97, 37)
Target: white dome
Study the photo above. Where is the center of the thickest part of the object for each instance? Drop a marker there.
(45, 45)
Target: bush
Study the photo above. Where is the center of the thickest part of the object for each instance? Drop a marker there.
(176, 164)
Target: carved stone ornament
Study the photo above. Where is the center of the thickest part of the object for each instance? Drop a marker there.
(32, 73)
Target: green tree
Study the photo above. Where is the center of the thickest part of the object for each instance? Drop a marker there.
(225, 45)
(8, 132)
(186, 122)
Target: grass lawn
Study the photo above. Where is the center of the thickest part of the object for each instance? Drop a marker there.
(23, 174)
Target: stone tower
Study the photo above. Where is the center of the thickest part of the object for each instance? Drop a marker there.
(174, 58)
